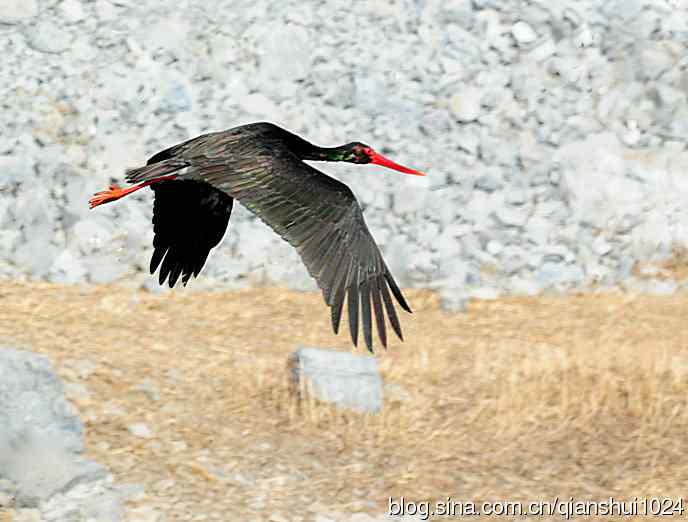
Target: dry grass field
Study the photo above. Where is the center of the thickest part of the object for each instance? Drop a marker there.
(519, 399)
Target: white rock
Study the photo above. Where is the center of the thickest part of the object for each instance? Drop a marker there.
(67, 268)
(8, 239)
(468, 141)
(597, 272)
(15, 11)
(516, 197)
(601, 246)
(664, 287)
(585, 37)
(523, 33)
(494, 247)
(466, 104)
(522, 286)
(543, 50)
(453, 299)
(489, 180)
(512, 216)
(448, 250)
(48, 37)
(169, 34)
(176, 98)
(554, 273)
(141, 430)
(348, 380)
(72, 10)
(35, 256)
(258, 104)
(104, 267)
(650, 286)
(77, 391)
(90, 235)
(485, 292)
(40, 433)
(409, 199)
(105, 11)
(27, 515)
(285, 53)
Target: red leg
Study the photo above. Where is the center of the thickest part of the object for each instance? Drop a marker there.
(115, 192)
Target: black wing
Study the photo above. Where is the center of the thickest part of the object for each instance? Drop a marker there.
(320, 217)
(189, 219)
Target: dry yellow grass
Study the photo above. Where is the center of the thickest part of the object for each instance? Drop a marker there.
(519, 399)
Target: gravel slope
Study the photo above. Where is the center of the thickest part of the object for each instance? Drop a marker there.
(554, 132)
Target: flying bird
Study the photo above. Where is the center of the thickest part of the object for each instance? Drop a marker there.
(262, 166)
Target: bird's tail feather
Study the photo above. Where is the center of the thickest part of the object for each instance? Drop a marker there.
(153, 171)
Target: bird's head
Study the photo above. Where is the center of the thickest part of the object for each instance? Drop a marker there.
(361, 153)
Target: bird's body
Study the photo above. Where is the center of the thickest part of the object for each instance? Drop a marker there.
(261, 165)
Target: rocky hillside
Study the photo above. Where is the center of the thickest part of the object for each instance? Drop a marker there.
(554, 133)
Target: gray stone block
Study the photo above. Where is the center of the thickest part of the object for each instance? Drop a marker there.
(41, 437)
(345, 379)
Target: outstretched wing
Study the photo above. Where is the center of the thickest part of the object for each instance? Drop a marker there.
(189, 219)
(320, 217)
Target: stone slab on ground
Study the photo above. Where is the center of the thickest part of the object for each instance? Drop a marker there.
(345, 379)
(41, 441)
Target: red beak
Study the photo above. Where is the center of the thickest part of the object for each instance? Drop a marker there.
(379, 159)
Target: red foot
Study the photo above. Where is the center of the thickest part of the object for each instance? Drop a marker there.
(115, 192)
(105, 196)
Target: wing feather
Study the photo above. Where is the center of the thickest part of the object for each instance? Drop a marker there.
(321, 218)
(189, 219)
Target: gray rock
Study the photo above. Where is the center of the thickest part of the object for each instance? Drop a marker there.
(553, 273)
(149, 388)
(85, 501)
(67, 268)
(35, 256)
(40, 436)
(512, 216)
(543, 50)
(516, 197)
(490, 180)
(345, 379)
(651, 286)
(77, 391)
(105, 267)
(48, 37)
(176, 98)
(524, 286)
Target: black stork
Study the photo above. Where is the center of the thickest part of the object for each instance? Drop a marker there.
(261, 165)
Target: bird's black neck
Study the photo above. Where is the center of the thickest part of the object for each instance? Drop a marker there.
(324, 153)
(307, 151)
